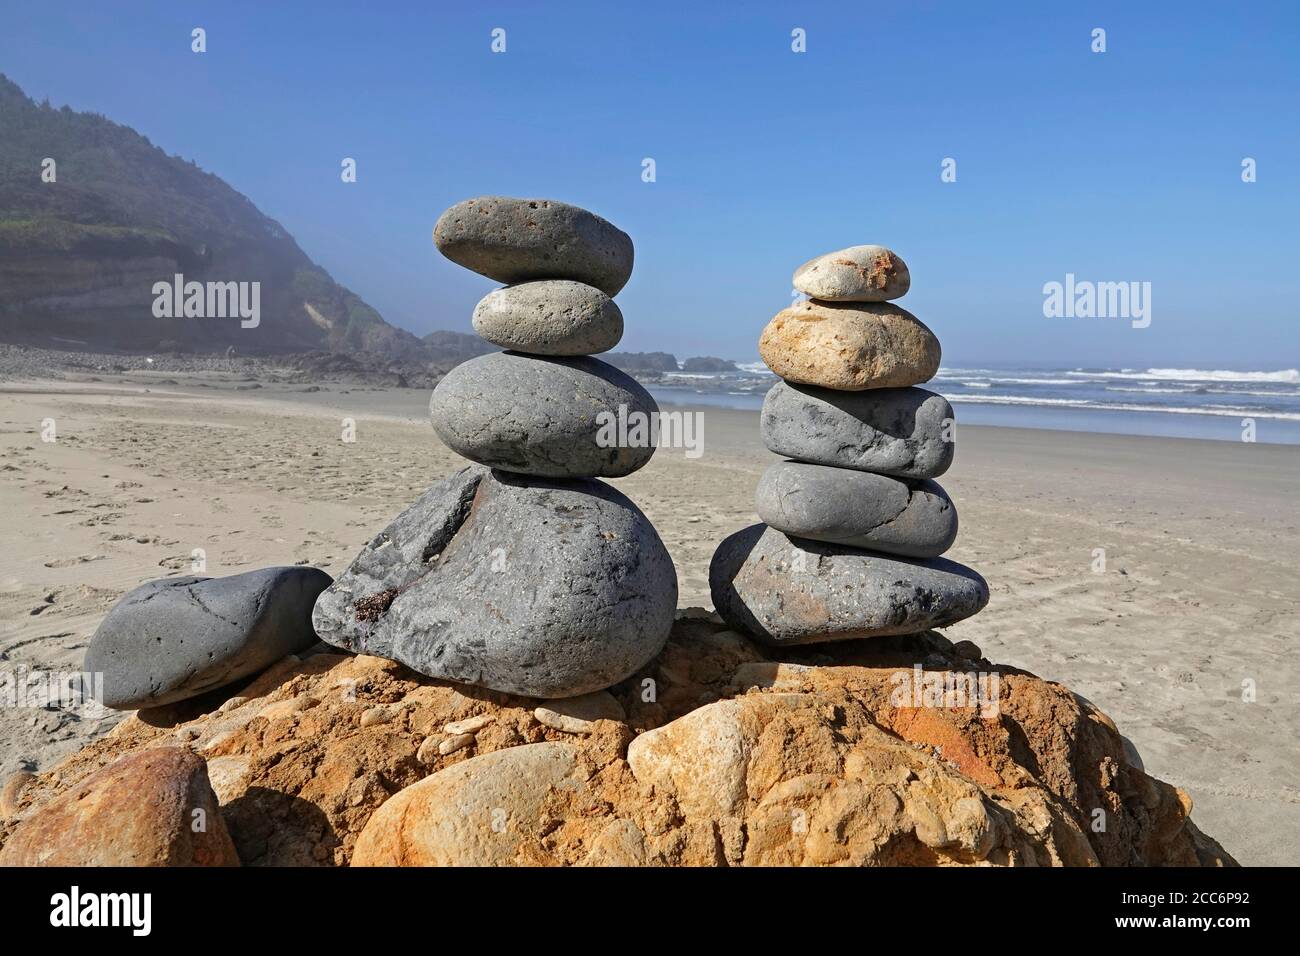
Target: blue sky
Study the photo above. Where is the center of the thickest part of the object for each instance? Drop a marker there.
(1120, 166)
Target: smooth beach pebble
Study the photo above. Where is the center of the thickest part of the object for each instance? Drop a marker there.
(175, 638)
(905, 432)
(795, 591)
(849, 346)
(519, 240)
(550, 317)
(855, 274)
(855, 508)
(546, 416)
(523, 585)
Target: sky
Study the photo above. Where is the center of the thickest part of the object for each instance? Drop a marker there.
(1119, 166)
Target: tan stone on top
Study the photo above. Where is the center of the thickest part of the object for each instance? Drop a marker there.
(855, 274)
(849, 346)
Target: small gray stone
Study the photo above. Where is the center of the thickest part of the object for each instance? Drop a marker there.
(890, 431)
(553, 417)
(855, 274)
(522, 585)
(795, 591)
(176, 638)
(518, 240)
(550, 317)
(856, 508)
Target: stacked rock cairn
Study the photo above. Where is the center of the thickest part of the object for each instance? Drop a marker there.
(854, 522)
(523, 573)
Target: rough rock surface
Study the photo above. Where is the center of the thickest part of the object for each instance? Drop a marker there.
(795, 591)
(519, 240)
(849, 346)
(537, 587)
(855, 274)
(554, 417)
(855, 508)
(180, 637)
(550, 317)
(153, 807)
(834, 769)
(905, 432)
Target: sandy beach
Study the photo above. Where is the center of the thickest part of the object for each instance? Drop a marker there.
(1182, 638)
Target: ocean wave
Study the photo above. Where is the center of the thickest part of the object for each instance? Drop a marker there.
(1228, 411)
(1288, 376)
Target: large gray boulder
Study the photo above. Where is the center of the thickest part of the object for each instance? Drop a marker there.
(856, 508)
(522, 585)
(794, 591)
(175, 638)
(550, 317)
(518, 240)
(546, 416)
(905, 432)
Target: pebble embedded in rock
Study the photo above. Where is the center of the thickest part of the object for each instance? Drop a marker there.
(175, 638)
(523, 585)
(785, 591)
(578, 715)
(550, 317)
(553, 417)
(850, 346)
(904, 432)
(856, 274)
(858, 509)
(519, 240)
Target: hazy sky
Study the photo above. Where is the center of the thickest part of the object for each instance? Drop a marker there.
(1116, 166)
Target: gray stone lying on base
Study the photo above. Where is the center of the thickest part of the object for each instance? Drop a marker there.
(795, 591)
(523, 585)
(550, 317)
(176, 638)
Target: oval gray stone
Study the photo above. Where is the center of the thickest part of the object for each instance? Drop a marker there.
(795, 591)
(175, 638)
(521, 585)
(890, 431)
(553, 417)
(519, 240)
(550, 317)
(855, 274)
(856, 508)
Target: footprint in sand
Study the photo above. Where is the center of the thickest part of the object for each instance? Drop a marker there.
(72, 562)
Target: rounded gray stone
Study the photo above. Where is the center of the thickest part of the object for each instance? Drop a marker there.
(175, 638)
(890, 431)
(550, 317)
(856, 508)
(522, 585)
(519, 240)
(546, 416)
(794, 591)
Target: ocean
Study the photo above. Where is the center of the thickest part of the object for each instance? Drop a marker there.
(1171, 402)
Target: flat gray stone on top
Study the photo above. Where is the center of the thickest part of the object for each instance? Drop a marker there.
(547, 416)
(890, 431)
(519, 240)
(522, 585)
(786, 590)
(175, 638)
(913, 518)
(550, 317)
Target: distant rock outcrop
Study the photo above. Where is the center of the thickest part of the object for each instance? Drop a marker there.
(642, 361)
(708, 364)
